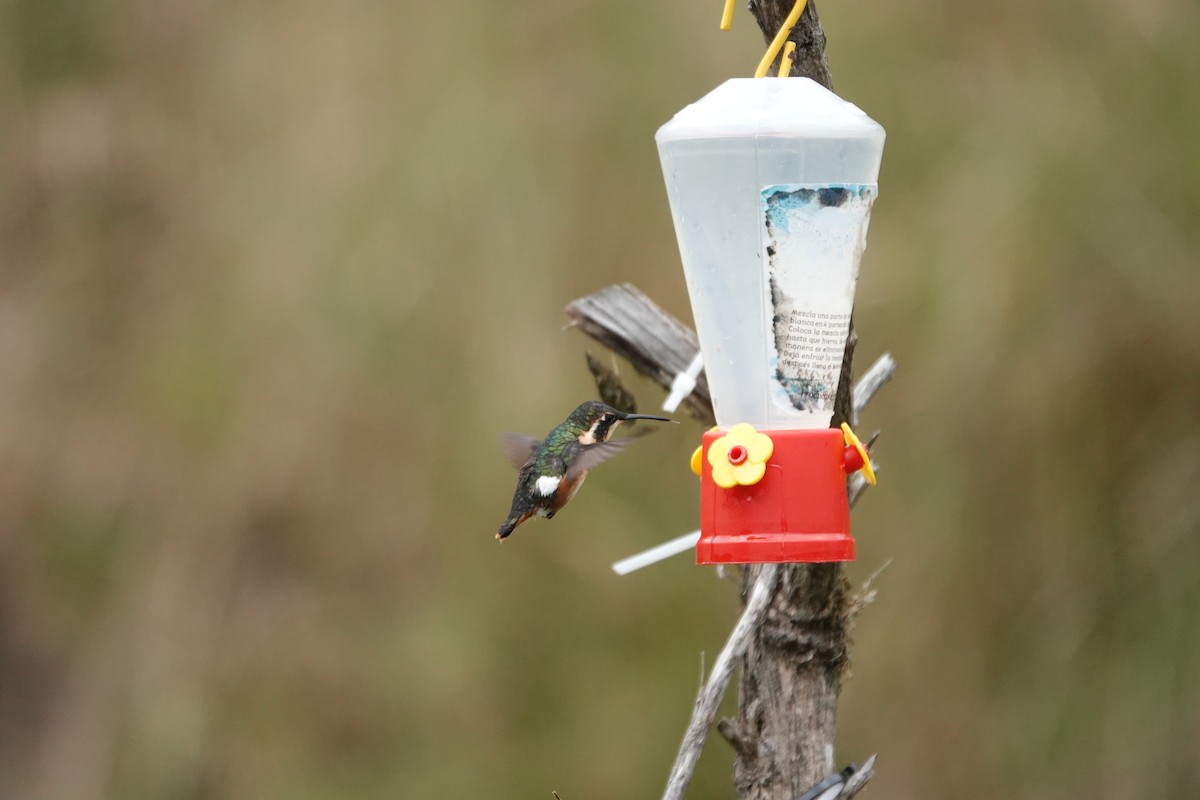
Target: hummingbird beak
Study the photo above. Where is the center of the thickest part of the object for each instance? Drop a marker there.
(625, 417)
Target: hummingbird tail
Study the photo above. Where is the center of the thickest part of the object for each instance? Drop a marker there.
(507, 527)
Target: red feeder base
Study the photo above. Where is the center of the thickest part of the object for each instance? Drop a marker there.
(797, 512)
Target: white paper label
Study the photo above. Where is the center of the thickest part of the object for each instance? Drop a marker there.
(814, 238)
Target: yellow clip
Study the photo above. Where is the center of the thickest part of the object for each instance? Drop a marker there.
(785, 63)
(866, 468)
(780, 38)
(727, 15)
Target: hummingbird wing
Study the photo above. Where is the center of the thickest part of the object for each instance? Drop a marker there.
(594, 454)
(518, 447)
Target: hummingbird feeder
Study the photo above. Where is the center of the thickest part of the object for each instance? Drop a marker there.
(771, 183)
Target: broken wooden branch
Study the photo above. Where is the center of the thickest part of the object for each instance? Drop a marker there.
(629, 323)
(709, 698)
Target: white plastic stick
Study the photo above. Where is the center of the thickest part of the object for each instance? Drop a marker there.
(684, 383)
(656, 554)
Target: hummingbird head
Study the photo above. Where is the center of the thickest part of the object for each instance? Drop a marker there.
(594, 421)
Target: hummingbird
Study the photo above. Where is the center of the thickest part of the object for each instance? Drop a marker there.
(553, 469)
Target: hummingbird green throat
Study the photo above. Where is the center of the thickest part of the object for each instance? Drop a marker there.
(553, 469)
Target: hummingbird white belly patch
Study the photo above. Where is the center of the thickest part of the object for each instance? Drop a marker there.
(546, 484)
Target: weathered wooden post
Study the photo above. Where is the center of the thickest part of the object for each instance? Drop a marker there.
(792, 671)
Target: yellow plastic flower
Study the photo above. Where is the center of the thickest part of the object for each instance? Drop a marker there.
(696, 463)
(739, 458)
(852, 440)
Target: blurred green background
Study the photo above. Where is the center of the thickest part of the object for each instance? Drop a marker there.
(275, 275)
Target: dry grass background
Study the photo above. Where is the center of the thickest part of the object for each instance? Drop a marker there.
(273, 277)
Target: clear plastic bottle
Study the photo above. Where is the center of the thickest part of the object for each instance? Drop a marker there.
(723, 157)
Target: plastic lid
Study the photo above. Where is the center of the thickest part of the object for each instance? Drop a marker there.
(770, 106)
